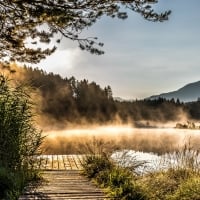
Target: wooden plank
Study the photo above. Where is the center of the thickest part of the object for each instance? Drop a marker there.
(59, 162)
(63, 185)
(62, 180)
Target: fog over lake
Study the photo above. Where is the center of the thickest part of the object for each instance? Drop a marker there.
(157, 140)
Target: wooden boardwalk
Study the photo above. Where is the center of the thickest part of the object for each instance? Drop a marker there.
(62, 180)
(59, 162)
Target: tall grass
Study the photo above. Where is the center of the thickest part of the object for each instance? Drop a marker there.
(119, 181)
(19, 140)
(180, 181)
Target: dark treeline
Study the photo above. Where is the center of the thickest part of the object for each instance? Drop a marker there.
(71, 100)
(80, 101)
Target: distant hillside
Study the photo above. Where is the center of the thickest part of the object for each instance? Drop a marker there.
(188, 93)
(61, 102)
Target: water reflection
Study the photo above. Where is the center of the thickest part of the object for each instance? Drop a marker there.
(112, 138)
(142, 163)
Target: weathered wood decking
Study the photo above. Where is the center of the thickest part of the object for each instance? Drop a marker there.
(62, 180)
(60, 162)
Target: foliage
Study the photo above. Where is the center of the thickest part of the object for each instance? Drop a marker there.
(75, 101)
(41, 20)
(13, 182)
(122, 185)
(188, 190)
(119, 181)
(69, 99)
(94, 164)
(181, 180)
(6, 182)
(19, 139)
(159, 185)
(80, 101)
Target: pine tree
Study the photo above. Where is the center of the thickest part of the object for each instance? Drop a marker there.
(40, 20)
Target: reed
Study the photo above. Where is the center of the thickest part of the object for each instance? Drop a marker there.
(19, 139)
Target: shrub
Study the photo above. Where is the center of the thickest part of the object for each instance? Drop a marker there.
(94, 164)
(6, 182)
(122, 185)
(12, 182)
(119, 181)
(19, 140)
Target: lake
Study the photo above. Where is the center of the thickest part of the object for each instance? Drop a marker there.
(157, 140)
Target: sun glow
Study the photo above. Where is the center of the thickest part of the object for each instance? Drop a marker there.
(53, 62)
(157, 140)
(120, 130)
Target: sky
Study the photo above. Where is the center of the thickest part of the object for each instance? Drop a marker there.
(141, 58)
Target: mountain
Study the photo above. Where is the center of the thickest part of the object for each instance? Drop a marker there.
(188, 93)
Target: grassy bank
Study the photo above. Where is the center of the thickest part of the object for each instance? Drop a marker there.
(180, 181)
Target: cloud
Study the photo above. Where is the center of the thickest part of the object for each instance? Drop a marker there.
(142, 58)
(61, 61)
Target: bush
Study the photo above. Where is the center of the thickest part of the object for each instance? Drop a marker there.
(123, 186)
(119, 181)
(12, 182)
(19, 139)
(6, 182)
(95, 164)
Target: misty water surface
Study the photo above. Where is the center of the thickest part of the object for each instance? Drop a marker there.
(157, 140)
